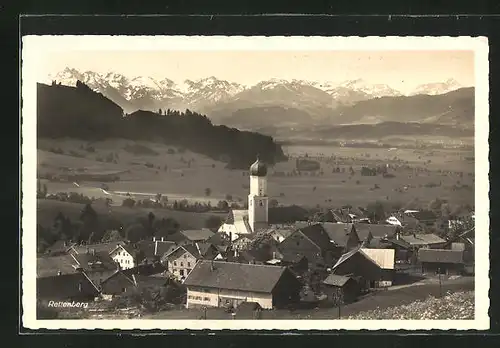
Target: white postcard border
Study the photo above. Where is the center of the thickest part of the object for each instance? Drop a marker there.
(34, 46)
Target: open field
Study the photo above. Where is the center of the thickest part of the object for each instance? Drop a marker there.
(188, 175)
(48, 209)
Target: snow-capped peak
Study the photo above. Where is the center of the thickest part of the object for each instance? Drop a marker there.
(436, 88)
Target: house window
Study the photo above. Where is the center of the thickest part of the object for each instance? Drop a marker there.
(181, 272)
(185, 256)
(182, 264)
(206, 298)
(189, 264)
(175, 263)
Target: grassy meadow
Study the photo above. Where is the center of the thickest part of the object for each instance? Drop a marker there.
(145, 169)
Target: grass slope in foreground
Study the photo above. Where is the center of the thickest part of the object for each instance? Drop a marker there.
(455, 306)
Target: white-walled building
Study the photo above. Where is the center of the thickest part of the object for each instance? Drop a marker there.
(257, 216)
(125, 256)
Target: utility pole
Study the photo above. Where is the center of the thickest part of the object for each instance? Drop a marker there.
(440, 290)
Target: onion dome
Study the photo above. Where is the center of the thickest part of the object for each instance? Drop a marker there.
(258, 168)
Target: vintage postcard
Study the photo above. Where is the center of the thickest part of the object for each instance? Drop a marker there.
(258, 183)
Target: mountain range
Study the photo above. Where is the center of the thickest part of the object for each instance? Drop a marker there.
(220, 99)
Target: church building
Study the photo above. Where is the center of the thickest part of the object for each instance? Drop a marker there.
(241, 222)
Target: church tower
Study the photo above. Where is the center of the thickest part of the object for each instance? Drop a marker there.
(257, 199)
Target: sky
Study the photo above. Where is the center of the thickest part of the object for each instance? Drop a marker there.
(402, 70)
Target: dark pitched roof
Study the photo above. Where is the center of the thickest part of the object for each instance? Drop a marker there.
(317, 234)
(286, 214)
(198, 235)
(176, 237)
(440, 256)
(47, 266)
(115, 283)
(65, 286)
(291, 257)
(338, 232)
(235, 276)
(229, 218)
(100, 247)
(153, 249)
(98, 261)
(336, 280)
(351, 253)
(377, 230)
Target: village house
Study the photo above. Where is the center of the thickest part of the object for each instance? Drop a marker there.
(340, 289)
(228, 284)
(126, 256)
(407, 246)
(314, 243)
(385, 259)
(444, 261)
(182, 260)
(66, 287)
(358, 263)
(123, 282)
(419, 219)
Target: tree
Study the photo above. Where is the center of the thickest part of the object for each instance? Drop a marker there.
(208, 191)
(222, 205)
(376, 211)
(111, 236)
(213, 222)
(435, 204)
(273, 203)
(89, 219)
(135, 232)
(128, 202)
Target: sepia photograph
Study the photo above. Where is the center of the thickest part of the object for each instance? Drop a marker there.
(219, 182)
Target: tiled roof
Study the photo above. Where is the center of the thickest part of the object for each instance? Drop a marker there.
(198, 235)
(47, 266)
(440, 256)
(336, 280)
(65, 286)
(235, 276)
